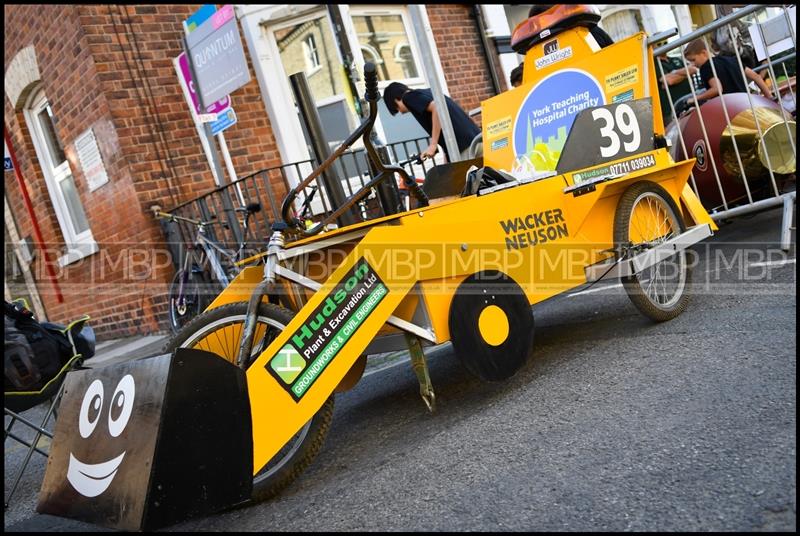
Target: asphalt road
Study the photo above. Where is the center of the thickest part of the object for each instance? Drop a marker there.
(616, 424)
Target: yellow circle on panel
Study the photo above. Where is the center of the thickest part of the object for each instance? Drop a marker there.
(493, 325)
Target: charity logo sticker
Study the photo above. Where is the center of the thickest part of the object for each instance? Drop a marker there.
(547, 113)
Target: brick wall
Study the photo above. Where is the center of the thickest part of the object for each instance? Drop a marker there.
(110, 68)
(461, 54)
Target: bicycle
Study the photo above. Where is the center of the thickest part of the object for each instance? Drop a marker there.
(187, 297)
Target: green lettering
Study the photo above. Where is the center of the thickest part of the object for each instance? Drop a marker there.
(300, 338)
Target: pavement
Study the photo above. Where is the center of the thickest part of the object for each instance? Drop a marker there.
(704, 440)
(118, 350)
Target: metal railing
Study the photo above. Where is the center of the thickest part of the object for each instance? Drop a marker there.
(269, 186)
(747, 153)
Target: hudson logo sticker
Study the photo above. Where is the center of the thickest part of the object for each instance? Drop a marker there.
(327, 329)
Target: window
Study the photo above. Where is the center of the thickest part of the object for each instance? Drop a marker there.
(59, 180)
(384, 39)
(311, 52)
(404, 57)
(622, 24)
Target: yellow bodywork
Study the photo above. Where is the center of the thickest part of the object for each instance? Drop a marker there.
(536, 233)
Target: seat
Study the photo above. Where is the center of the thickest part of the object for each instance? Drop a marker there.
(446, 181)
(17, 402)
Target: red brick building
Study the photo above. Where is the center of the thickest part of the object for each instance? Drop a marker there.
(80, 74)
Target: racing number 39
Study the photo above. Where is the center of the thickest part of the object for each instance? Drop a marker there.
(624, 120)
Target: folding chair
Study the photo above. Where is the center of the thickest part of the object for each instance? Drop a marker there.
(15, 402)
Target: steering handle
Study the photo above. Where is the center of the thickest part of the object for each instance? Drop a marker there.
(372, 95)
(371, 82)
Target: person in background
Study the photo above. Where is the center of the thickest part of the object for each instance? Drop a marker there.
(728, 78)
(599, 34)
(676, 78)
(516, 76)
(419, 102)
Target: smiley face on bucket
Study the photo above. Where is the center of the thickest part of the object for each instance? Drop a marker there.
(92, 479)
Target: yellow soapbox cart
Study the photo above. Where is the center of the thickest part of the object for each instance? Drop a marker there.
(575, 185)
(589, 192)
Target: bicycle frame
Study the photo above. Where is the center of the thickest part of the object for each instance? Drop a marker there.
(212, 250)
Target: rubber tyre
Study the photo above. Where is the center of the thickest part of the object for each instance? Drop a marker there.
(634, 195)
(305, 445)
(196, 301)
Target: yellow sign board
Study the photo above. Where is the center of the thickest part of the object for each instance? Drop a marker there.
(562, 77)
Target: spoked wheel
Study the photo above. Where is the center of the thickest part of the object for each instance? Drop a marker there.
(219, 331)
(647, 216)
(183, 306)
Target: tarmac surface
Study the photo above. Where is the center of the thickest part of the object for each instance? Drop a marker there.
(616, 424)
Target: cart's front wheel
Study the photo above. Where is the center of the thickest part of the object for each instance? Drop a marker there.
(219, 331)
(647, 216)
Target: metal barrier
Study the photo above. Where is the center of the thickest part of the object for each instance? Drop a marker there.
(745, 144)
(269, 186)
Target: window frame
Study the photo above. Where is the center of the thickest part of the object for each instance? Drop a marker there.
(311, 53)
(377, 10)
(79, 244)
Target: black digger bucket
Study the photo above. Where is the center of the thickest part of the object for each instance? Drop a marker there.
(150, 442)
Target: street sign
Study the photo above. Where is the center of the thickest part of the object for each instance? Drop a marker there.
(217, 56)
(199, 17)
(217, 107)
(7, 164)
(224, 120)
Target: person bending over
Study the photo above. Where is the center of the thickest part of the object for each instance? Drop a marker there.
(419, 102)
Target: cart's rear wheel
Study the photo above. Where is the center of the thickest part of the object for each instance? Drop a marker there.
(219, 331)
(646, 216)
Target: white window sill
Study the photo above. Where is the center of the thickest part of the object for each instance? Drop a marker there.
(76, 252)
(313, 70)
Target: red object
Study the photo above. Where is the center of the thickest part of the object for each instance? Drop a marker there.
(730, 177)
(36, 231)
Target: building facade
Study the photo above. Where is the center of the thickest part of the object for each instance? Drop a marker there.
(100, 131)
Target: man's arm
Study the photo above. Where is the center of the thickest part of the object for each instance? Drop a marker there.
(436, 129)
(678, 75)
(755, 77)
(713, 91)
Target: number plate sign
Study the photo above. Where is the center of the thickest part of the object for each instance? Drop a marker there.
(607, 133)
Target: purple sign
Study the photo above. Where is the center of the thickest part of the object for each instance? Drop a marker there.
(216, 108)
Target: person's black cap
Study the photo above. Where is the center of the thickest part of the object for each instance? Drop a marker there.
(516, 75)
(393, 91)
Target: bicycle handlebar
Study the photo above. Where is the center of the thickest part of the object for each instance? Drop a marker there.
(175, 217)
(372, 95)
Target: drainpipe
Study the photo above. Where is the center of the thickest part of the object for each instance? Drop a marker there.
(310, 116)
(487, 48)
(34, 221)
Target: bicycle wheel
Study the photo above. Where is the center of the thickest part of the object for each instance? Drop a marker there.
(183, 306)
(647, 216)
(219, 330)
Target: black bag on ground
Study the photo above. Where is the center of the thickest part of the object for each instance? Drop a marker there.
(33, 354)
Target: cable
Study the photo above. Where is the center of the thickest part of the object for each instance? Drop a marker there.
(170, 188)
(152, 99)
(619, 260)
